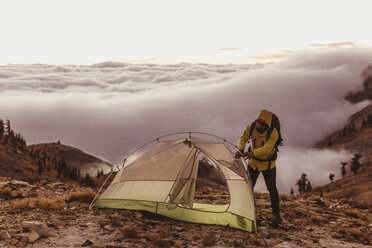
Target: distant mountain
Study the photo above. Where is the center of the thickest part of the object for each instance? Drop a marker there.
(47, 162)
(356, 137)
(74, 158)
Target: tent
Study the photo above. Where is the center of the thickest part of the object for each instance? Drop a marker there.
(162, 181)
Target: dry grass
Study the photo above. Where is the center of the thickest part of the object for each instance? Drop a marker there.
(23, 204)
(83, 196)
(285, 197)
(51, 204)
(41, 203)
(6, 192)
(317, 219)
(353, 213)
(357, 233)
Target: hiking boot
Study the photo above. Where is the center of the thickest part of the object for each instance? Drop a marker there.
(276, 219)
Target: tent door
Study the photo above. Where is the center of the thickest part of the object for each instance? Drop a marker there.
(183, 189)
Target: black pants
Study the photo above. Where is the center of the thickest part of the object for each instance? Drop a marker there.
(270, 180)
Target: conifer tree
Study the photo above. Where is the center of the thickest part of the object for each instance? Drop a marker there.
(40, 165)
(8, 129)
(355, 164)
(343, 169)
(1, 129)
(308, 186)
(88, 182)
(331, 177)
(301, 183)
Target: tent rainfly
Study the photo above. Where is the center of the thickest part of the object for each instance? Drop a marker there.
(163, 179)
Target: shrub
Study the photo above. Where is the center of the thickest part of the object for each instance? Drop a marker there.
(23, 204)
(6, 192)
(284, 197)
(83, 196)
(45, 203)
(352, 213)
(316, 219)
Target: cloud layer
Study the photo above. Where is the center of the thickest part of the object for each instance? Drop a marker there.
(110, 108)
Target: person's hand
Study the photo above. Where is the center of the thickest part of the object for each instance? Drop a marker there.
(247, 155)
(238, 154)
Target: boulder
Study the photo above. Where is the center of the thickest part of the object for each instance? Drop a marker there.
(40, 228)
(4, 184)
(4, 235)
(87, 243)
(24, 239)
(20, 183)
(33, 236)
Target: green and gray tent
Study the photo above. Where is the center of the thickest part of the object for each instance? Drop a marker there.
(162, 181)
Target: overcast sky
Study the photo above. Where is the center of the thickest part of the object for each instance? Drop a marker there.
(168, 31)
(107, 76)
(108, 109)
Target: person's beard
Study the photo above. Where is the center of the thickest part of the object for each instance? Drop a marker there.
(261, 129)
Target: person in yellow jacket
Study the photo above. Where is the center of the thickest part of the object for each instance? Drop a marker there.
(262, 155)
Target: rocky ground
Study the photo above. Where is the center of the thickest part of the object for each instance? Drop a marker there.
(58, 215)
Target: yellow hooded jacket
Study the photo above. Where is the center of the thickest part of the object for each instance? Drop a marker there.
(261, 148)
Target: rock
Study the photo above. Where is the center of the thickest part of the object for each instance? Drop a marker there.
(24, 239)
(87, 243)
(285, 245)
(108, 227)
(33, 236)
(4, 184)
(319, 202)
(40, 228)
(4, 235)
(334, 243)
(20, 183)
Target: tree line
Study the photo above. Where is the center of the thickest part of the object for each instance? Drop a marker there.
(9, 137)
(44, 162)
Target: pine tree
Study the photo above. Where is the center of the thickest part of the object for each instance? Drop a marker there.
(292, 192)
(308, 186)
(301, 183)
(40, 165)
(355, 164)
(88, 182)
(8, 129)
(364, 123)
(1, 129)
(331, 177)
(343, 169)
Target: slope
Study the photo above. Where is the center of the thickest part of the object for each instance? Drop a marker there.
(75, 158)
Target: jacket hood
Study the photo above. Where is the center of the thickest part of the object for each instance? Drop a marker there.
(265, 116)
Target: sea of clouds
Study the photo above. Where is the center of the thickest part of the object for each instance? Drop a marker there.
(111, 108)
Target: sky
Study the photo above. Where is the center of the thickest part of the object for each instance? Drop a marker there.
(108, 76)
(173, 31)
